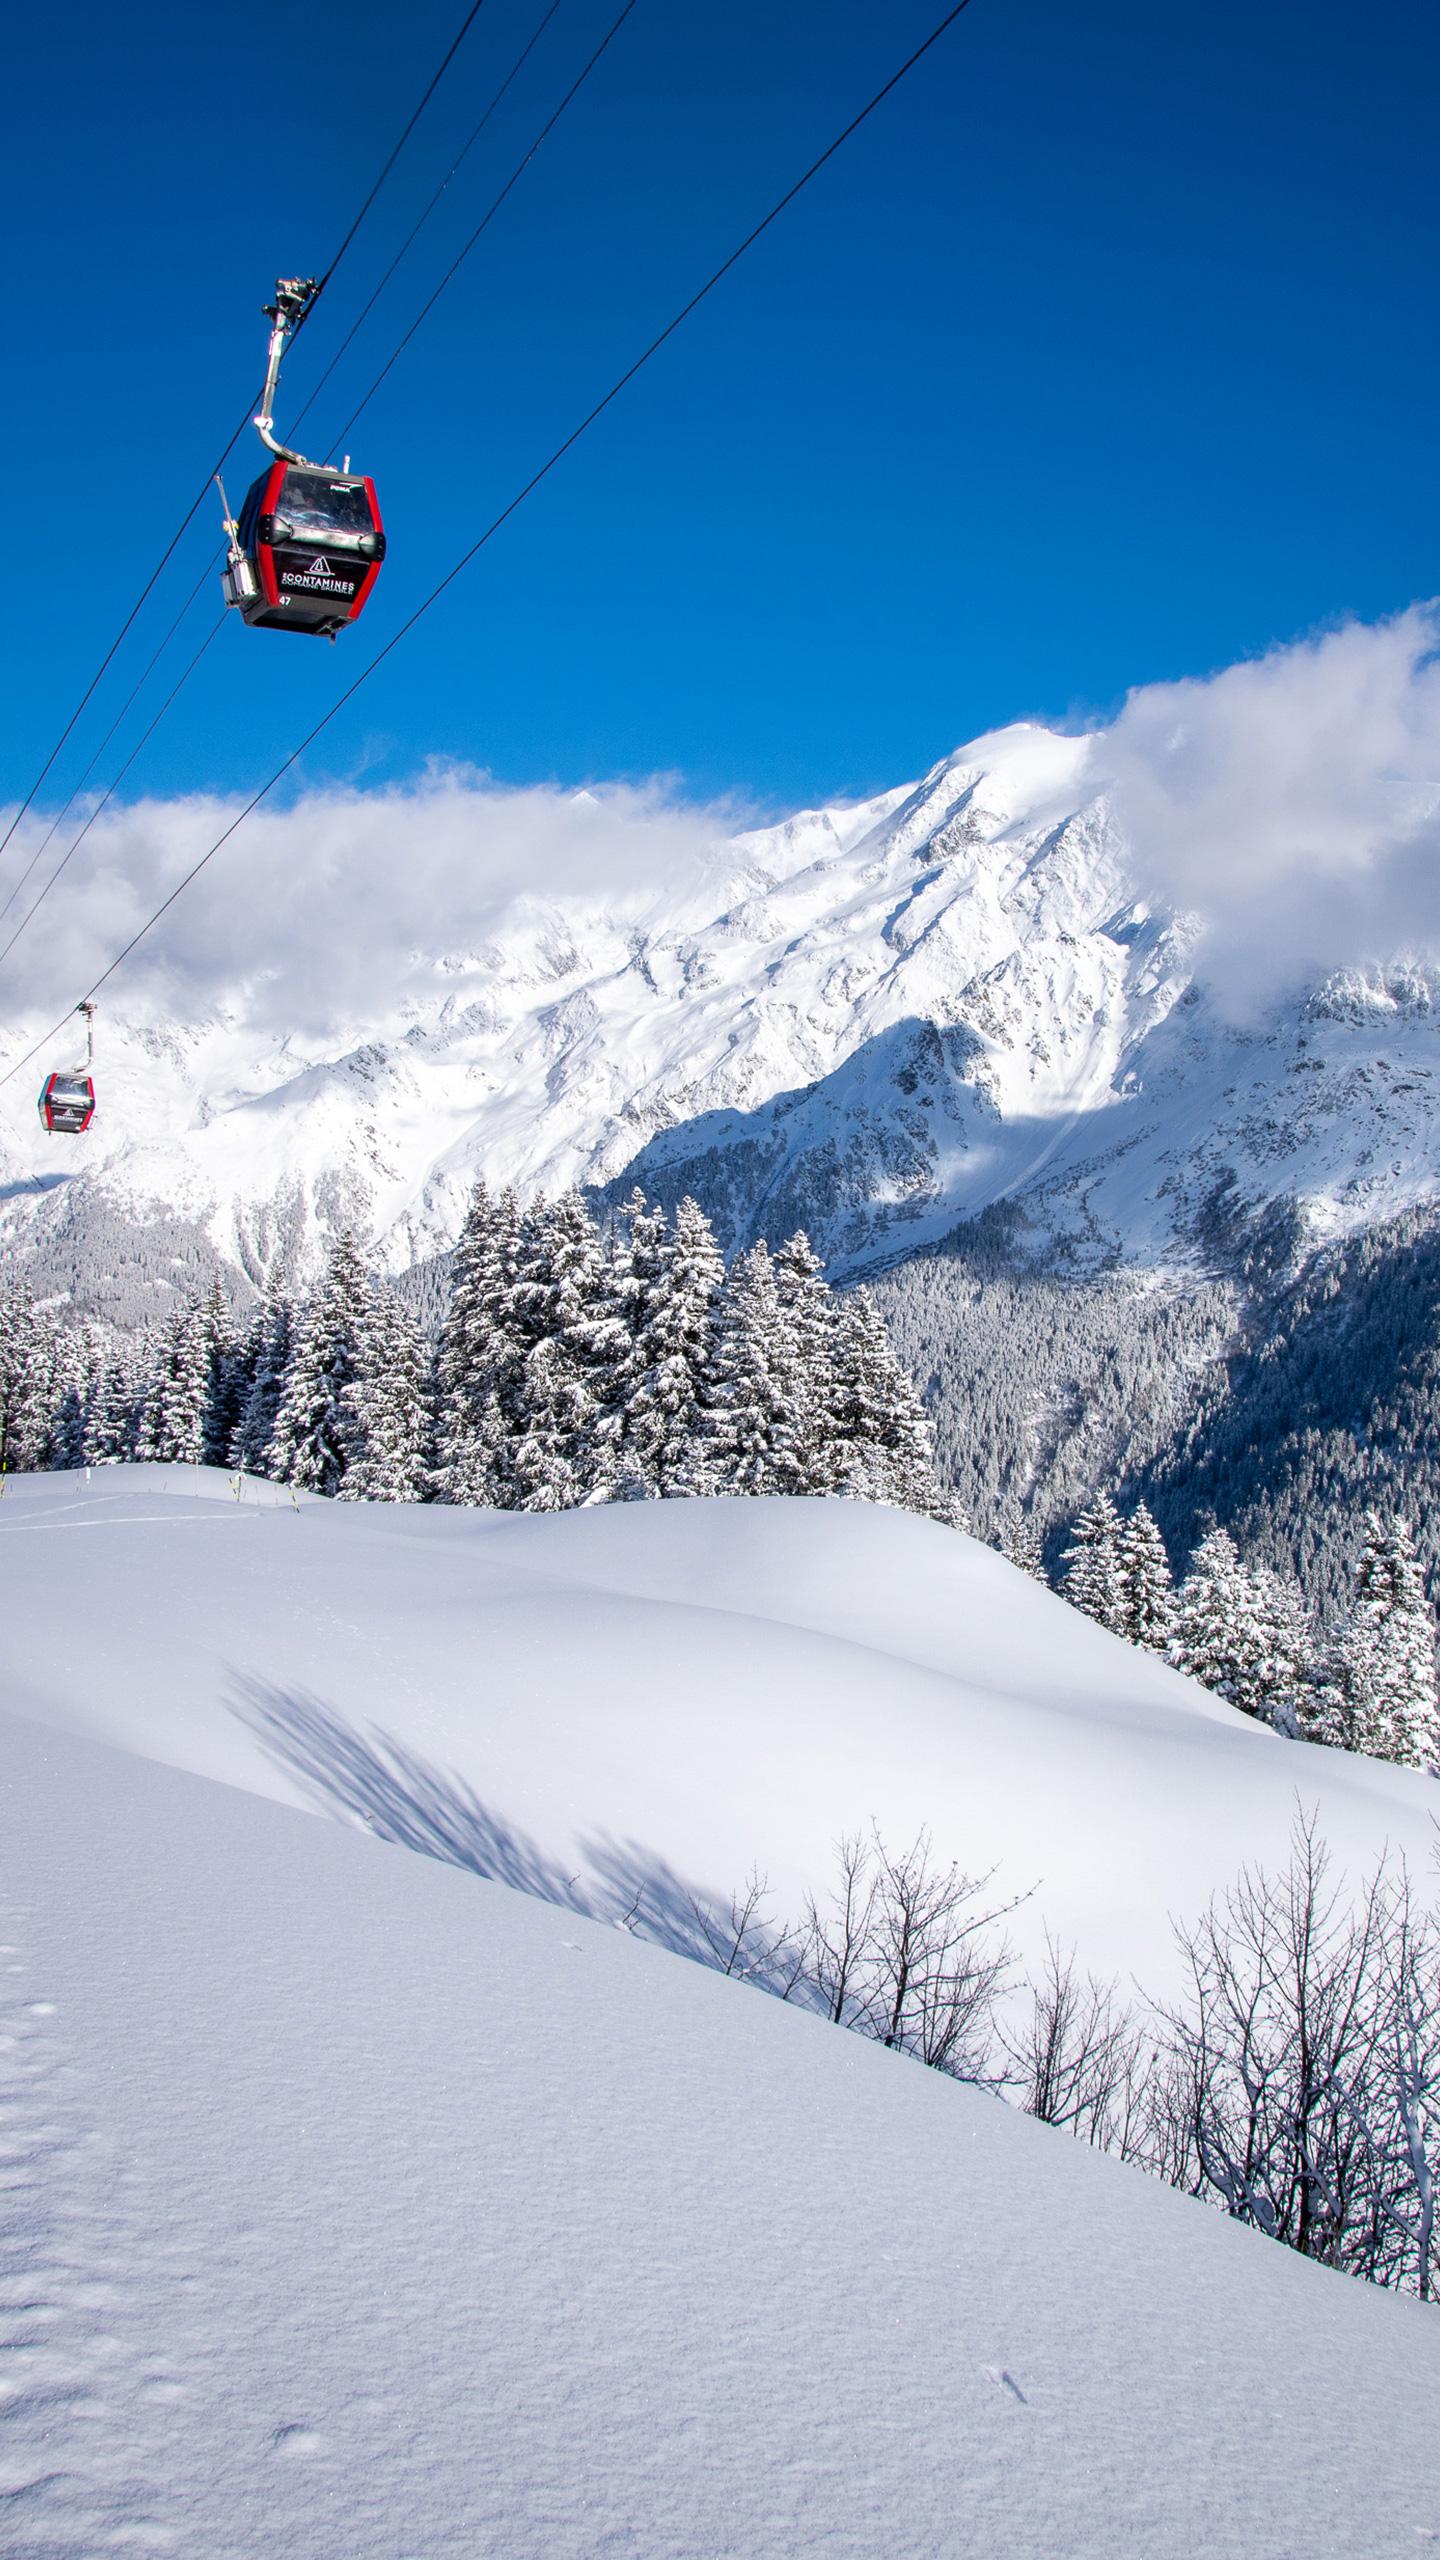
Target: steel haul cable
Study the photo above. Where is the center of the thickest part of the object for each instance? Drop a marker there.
(598, 411)
(203, 493)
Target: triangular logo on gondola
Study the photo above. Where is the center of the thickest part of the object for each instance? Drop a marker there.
(317, 569)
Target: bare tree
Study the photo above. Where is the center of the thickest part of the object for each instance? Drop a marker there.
(838, 1938)
(1294, 2081)
(906, 1951)
(744, 1942)
(1077, 2057)
(1396, 2109)
(1276, 2047)
(936, 1966)
(1414, 2038)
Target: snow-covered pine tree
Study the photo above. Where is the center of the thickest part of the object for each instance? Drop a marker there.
(387, 1406)
(172, 1421)
(139, 1362)
(669, 1283)
(565, 1418)
(69, 1427)
(77, 1365)
(811, 1334)
(14, 1310)
(459, 1352)
(310, 1444)
(640, 1259)
(1147, 1584)
(263, 1363)
(480, 1356)
(477, 1468)
(110, 1413)
(250, 1350)
(225, 1379)
(877, 1447)
(749, 1436)
(61, 1359)
(1285, 1685)
(1094, 1578)
(1387, 1703)
(639, 1254)
(1023, 1545)
(1210, 1639)
(1240, 1633)
(28, 1381)
(555, 1419)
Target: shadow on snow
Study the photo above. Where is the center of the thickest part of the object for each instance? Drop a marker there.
(391, 1791)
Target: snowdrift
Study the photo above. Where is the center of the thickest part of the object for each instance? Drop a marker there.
(355, 2206)
(656, 1698)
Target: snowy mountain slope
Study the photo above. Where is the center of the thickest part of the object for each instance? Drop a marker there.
(876, 1019)
(651, 1699)
(353, 2205)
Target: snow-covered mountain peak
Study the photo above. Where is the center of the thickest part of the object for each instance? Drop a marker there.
(873, 1019)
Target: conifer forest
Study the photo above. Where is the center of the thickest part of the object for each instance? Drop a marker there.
(559, 1358)
(568, 1367)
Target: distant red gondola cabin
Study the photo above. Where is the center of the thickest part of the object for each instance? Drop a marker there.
(67, 1104)
(314, 542)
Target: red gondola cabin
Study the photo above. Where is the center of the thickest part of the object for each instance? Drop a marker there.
(67, 1104)
(313, 542)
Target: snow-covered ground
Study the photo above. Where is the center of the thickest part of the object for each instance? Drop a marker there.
(655, 1698)
(356, 2209)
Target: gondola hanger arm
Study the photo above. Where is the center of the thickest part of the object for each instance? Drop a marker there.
(294, 298)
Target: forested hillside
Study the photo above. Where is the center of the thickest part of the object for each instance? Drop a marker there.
(571, 1366)
(1276, 1403)
(1328, 1400)
(1273, 1401)
(1040, 1388)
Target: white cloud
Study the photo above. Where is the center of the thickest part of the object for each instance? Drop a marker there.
(338, 907)
(1292, 802)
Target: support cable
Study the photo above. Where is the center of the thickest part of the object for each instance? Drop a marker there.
(483, 225)
(467, 22)
(418, 226)
(108, 795)
(592, 415)
(58, 821)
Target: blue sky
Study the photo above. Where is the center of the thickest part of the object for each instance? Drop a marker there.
(1107, 353)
